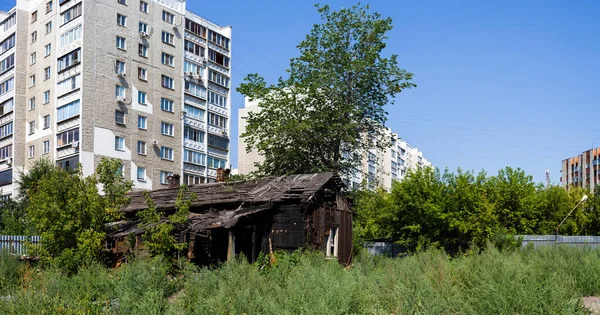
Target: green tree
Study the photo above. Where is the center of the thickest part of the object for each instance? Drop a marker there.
(70, 214)
(331, 107)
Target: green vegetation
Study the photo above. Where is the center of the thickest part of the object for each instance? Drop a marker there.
(541, 281)
(331, 106)
(457, 211)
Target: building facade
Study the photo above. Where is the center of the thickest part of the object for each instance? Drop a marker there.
(146, 82)
(582, 170)
(378, 168)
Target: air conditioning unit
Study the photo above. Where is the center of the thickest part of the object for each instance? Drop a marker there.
(189, 74)
(9, 161)
(121, 74)
(155, 143)
(196, 76)
(204, 60)
(121, 99)
(144, 34)
(224, 132)
(75, 144)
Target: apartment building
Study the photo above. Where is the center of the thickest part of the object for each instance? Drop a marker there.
(378, 168)
(146, 82)
(582, 170)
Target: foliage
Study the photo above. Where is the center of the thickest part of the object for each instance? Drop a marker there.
(459, 210)
(70, 214)
(541, 281)
(330, 109)
(13, 218)
(159, 236)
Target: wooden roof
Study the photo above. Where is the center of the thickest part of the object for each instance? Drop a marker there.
(223, 204)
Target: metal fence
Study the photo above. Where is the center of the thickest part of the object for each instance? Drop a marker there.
(546, 240)
(17, 244)
(384, 248)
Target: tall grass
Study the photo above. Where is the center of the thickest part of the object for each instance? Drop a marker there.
(540, 281)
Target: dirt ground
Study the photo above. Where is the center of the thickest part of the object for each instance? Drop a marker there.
(592, 303)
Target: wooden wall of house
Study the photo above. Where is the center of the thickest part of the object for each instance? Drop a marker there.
(288, 230)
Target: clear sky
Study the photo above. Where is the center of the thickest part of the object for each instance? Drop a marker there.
(499, 82)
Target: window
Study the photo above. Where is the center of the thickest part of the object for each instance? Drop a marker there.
(7, 85)
(33, 16)
(6, 152)
(141, 147)
(48, 7)
(192, 179)
(144, 6)
(332, 242)
(121, 20)
(70, 36)
(119, 117)
(218, 39)
(7, 44)
(46, 121)
(141, 174)
(121, 170)
(194, 157)
(68, 111)
(123, 2)
(32, 127)
(46, 147)
(216, 120)
(167, 59)
(32, 80)
(195, 89)
(120, 66)
(68, 85)
(217, 99)
(194, 48)
(46, 73)
(119, 91)
(46, 97)
(119, 143)
(47, 50)
(143, 28)
(192, 68)
(142, 74)
(166, 153)
(218, 78)
(195, 28)
(9, 21)
(121, 43)
(218, 142)
(32, 59)
(166, 105)
(142, 97)
(31, 151)
(216, 163)
(167, 38)
(69, 60)
(7, 64)
(32, 103)
(218, 58)
(143, 50)
(164, 177)
(7, 106)
(167, 82)
(71, 13)
(49, 27)
(67, 137)
(142, 122)
(166, 128)
(193, 134)
(168, 17)
(194, 112)
(6, 130)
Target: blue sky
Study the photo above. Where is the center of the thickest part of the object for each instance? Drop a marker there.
(499, 82)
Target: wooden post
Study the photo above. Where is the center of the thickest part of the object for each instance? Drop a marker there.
(231, 247)
(253, 254)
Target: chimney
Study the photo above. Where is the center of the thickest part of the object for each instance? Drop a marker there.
(173, 180)
(222, 175)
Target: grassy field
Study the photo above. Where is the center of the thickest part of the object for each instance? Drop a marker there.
(543, 281)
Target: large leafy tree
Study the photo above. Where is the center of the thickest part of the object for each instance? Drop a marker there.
(330, 109)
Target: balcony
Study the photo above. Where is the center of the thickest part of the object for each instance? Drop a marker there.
(198, 146)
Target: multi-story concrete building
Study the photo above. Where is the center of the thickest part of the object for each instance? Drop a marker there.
(146, 82)
(378, 168)
(582, 170)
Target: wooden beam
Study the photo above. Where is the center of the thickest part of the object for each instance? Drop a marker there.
(231, 247)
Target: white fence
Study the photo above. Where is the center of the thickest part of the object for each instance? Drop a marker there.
(17, 244)
(546, 240)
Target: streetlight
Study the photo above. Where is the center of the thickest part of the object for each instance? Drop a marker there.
(583, 199)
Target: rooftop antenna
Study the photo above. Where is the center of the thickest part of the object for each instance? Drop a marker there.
(547, 178)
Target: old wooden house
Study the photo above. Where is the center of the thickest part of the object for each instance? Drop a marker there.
(249, 217)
